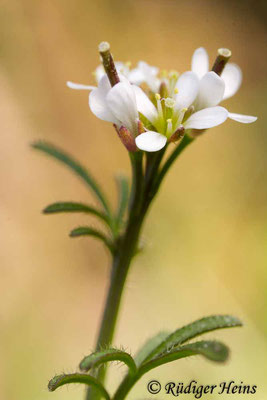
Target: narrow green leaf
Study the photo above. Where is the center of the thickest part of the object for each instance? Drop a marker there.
(123, 192)
(149, 346)
(88, 231)
(212, 350)
(69, 206)
(197, 328)
(76, 167)
(103, 356)
(60, 380)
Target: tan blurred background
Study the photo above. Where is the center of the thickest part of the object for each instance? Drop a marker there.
(206, 233)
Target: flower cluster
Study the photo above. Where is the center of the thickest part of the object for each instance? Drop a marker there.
(150, 109)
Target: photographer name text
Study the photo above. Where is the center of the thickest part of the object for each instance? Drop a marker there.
(198, 390)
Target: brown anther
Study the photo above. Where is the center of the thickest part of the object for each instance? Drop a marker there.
(222, 59)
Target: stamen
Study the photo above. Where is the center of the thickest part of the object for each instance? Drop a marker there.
(128, 64)
(222, 59)
(164, 73)
(180, 117)
(173, 77)
(169, 127)
(108, 63)
(159, 106)
(173, 74)
(176, 91)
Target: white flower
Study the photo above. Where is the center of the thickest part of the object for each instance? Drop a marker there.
(213, 88)
(192, 102)
(188, 89)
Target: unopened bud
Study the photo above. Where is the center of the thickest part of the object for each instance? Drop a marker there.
(108, 63)
(163, 89)
(126, 138)
(188, 112)
(222, 59)
(177, 135)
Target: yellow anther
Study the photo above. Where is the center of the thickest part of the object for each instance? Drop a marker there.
(173, 74)
(157, 96)
(176, 91)
(164, 73)
(184, 110)
(169, 121)
(128, 64)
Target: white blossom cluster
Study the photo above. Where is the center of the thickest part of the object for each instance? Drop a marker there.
(152, 106)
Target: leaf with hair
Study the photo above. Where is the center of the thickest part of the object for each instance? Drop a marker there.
(64, 379)
(193, 330)
(103, 356)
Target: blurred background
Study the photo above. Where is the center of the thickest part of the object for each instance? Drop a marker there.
(206, 233)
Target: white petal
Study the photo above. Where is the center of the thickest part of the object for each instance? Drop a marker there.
(148, 68)
(136, 76)
(99, 107)
(187, 85)
(104, 85)
(150, 75)
(206, 118)
(145, 105)
(245, 119)
(200, 62)
(122, 103)
(211, 90)
(79, 86)
(150, 141)
(232, 76)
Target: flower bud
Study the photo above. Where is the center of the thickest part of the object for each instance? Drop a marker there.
(126, 138)
(177, 135)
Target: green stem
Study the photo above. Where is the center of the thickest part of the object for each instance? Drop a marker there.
(144, 188)
(121, 263)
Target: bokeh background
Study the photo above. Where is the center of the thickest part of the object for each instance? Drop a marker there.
(206, 233)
